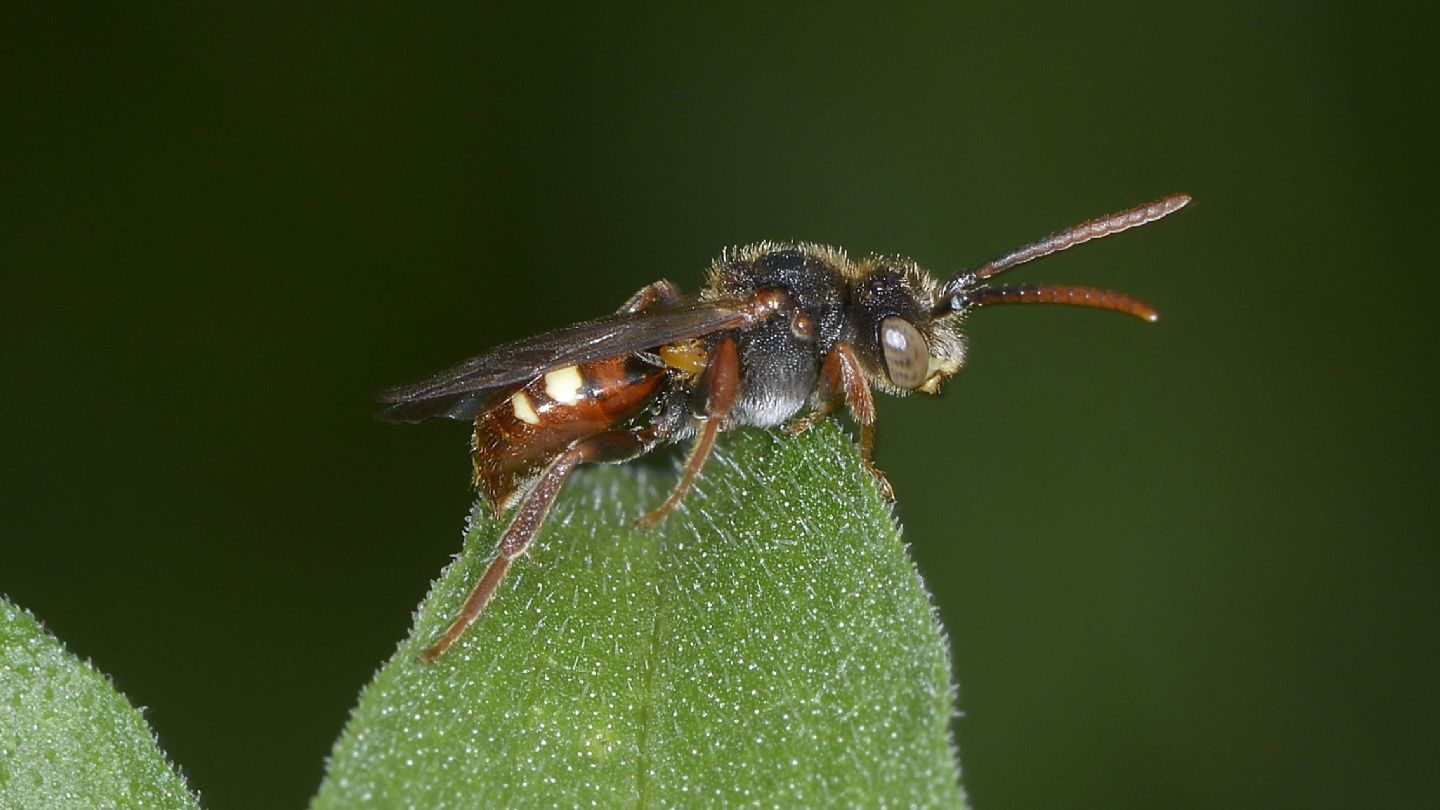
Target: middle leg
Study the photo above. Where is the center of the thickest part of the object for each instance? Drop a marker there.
(656, 295)
(721, 384)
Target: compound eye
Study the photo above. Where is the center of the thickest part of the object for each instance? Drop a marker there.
(907, 357)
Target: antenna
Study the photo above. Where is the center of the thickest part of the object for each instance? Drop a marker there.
(963, 291)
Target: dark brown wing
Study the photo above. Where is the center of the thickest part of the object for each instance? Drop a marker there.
(484, 381)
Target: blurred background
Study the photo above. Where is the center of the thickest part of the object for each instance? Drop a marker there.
(1191, 565)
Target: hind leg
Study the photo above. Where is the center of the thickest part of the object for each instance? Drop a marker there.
(615, 446)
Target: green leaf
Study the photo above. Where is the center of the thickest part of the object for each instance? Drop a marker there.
(769, 644)
(67, 738)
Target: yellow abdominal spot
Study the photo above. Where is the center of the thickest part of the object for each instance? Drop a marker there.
(524, 411)
(564, 385)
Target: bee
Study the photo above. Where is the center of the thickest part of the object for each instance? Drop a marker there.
(782, 334)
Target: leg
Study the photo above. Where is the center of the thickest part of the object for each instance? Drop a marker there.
(722, 386)
(660, 294)
(516, 540)
(841, 378)
(831, 387)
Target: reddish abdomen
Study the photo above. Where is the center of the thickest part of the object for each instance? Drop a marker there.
(517, 438)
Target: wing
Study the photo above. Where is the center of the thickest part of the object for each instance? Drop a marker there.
(484, 381)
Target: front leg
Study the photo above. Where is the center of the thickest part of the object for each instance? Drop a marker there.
(829, 389)
(841, 379)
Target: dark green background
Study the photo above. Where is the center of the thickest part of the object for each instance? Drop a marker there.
(1192, 565)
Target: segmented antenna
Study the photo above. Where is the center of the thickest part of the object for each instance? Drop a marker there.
(962, 292)
(1062, 294)
(1082, 233)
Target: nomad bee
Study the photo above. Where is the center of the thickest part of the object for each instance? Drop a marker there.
(778, 328)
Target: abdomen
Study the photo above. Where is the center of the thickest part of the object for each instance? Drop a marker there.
(515, 439)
